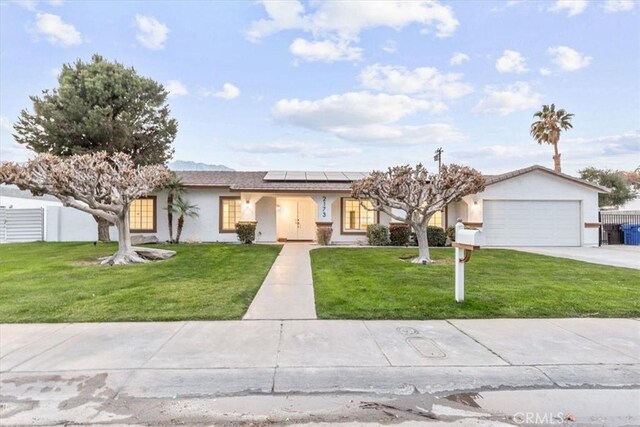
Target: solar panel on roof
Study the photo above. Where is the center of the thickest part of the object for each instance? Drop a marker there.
(275, 176)
(296, 176)
(316, 176)
(354, 175)
(313, 176)
(336, 176)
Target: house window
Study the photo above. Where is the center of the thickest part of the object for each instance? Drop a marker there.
(436, 220)
(142, 215)
(229, 214)
(356, 217)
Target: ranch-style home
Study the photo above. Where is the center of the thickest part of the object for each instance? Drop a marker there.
(527, 207)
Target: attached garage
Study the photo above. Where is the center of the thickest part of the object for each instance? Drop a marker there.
(534, 206)
(532, 223)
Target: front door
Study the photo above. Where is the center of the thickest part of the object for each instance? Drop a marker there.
(296, 219)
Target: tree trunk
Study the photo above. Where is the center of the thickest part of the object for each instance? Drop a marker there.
(170, 216)
(556, 159)
(180, 225)
(126, 253)
(423, 245)
(103, 229)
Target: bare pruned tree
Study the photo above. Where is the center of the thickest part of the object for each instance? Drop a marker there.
(412, 195)
(101, 184)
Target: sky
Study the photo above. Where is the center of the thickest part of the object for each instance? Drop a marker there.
(288, 85)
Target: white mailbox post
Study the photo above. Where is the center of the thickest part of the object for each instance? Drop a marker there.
(466, 242)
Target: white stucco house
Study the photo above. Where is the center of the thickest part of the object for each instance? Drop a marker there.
(533, 206)
(527, 207)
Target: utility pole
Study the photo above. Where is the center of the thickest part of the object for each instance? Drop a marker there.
(438, 158)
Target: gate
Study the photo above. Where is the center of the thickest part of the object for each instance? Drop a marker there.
(610, 226)
(21, 225)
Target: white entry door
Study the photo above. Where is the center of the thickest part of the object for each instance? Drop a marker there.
(531, 222)
(296, 219)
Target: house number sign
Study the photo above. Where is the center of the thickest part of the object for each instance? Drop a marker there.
(324, 206)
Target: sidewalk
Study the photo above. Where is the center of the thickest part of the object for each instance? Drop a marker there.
(287, 291)
(236, 357)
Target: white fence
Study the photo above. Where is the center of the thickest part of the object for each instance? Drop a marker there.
(21, 225)
(66, 224)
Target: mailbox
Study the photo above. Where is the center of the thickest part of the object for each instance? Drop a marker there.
(472, 238)
(466, 242)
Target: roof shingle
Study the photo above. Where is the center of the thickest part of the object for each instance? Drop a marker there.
(255, 181)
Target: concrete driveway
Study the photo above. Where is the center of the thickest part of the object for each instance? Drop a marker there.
(616, 255)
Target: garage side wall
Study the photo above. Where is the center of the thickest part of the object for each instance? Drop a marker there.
(534, 186)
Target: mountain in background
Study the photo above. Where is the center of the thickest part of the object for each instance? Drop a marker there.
(187, 165)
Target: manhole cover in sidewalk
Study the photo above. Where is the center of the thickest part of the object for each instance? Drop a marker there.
(426, 347)
(407, 330)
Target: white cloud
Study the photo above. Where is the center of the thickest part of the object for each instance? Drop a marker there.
(458, 58)
(568, 59)
(32, 4)
(278, 147)
(325, 50)
(228, 92)
(572, 7)
(610, 151)
(503, 101)
(425, 82)
(403, 135)
(348, 109)
(364, 117)
(307, 149)
(152, 33)
(511, 61)
(545, 71)
(56, 31)
(27, 4)
(613, 6)
(176, 88)
(389, 46)
(346, 19)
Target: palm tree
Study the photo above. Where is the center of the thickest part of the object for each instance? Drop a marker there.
(548, 127)
(176, 190)
(182, 208)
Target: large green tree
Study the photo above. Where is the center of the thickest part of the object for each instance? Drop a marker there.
(547, 128)
(100, 106)
(620, 193)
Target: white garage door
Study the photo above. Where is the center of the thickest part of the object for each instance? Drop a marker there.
(531, 223)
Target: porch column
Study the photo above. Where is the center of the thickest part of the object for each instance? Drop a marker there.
(474, 209)
(248, 206)
(324, 216)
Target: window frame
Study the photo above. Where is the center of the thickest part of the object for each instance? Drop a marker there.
(442, 219)
(155, 216)
(221, 201)
(343, 231)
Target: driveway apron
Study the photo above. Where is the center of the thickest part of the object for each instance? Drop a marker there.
(287, 291)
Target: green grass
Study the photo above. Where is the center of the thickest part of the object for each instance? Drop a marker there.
(59, 282)
(374, 283)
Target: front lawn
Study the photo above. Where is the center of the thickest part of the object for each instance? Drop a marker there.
(375, 283)
(59, 282)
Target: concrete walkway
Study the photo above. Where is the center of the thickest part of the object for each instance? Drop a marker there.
(287, 291)
(615, 255)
